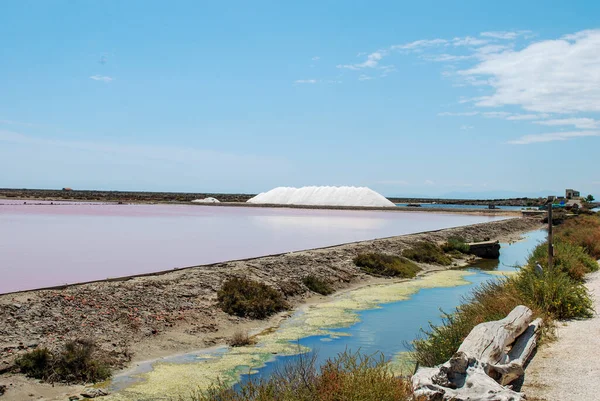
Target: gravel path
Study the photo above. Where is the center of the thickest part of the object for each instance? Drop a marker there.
(569, 368)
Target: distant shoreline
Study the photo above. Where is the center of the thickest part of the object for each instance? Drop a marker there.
(185, 197)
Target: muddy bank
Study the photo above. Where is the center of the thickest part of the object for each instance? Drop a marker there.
(153, 316)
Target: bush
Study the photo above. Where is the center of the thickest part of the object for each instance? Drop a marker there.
(583, 231)
(350, 376)
(456, 244)
(380, 264)
(240, 339)
(317, 285)
(75, 363)
(569, 258)
(557, 294)
(427, 252)
(36, 363)
(247, 298)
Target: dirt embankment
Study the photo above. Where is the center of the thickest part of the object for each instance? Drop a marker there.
(153, 316)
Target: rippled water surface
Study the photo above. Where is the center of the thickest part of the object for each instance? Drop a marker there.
(43, 244)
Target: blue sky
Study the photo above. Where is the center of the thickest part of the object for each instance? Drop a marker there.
(408, 98)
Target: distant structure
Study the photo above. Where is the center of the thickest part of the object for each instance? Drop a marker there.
(70, 189)
(571, 194)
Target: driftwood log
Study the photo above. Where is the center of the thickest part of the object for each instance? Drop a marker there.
(491, 357)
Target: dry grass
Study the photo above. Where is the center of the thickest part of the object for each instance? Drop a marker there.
(240, 339)
(381, 264)
(247, 298)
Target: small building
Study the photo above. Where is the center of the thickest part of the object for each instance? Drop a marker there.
(571, 194)
(67, 189)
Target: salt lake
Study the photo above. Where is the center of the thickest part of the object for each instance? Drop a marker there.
(43, 244)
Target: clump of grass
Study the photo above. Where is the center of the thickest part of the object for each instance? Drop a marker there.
(381, 264)
(240, 339)
(427, 252)
(554, 292)
(349, 376)
(317, 285)
(456, 244)
(569, 258)
(75, 363)
(247, 298)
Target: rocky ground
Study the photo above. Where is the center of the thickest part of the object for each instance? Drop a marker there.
(153, 316)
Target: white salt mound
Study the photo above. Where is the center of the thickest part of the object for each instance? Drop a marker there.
(207, 200)
(322, 196)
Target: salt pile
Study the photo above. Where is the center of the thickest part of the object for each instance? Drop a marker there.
(207, 200)
(322, 196)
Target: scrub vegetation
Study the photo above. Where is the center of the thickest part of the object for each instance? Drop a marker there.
(427, 252)
(557, 293)
(248, 298)
(349, 376)
(77, 362)
(315, 284)
(381, 264)
(456, 244)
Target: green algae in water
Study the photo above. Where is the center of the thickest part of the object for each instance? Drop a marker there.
(168, 380)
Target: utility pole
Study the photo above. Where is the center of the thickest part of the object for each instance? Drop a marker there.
(550, 244)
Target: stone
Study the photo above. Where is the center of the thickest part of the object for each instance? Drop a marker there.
(93, 393)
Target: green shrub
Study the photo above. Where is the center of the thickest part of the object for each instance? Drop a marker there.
(247, 298)
(349, 376)
(456, 244)
(555, 293)
(427, 252)
(75, 363)
(317, 285)
(36, 363)
(569, 258)
(381, 264)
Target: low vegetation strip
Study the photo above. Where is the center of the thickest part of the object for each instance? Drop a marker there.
(556, 293)
(427, 252)
(247, 298)
(380, 264)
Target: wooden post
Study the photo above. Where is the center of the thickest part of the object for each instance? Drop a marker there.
(550, 246)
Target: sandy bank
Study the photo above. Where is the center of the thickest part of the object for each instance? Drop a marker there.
(149, 317)
(568, 368)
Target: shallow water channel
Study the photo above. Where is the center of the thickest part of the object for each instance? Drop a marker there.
(379, 318)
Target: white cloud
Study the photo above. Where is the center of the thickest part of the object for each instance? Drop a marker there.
(521, 117)
(505, 35)
(468, 41)
(372, 61)
(496, 114)
(364, 77)
(419, 44)
(581, 123)
(552, 76)
(446, 57)
(316, 58)
(556, 136)
(102, 78)
(466, 127)
(305, 81)
(462, 113)
(429, 182)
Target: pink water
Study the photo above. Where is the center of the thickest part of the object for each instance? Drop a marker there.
(46, 245)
